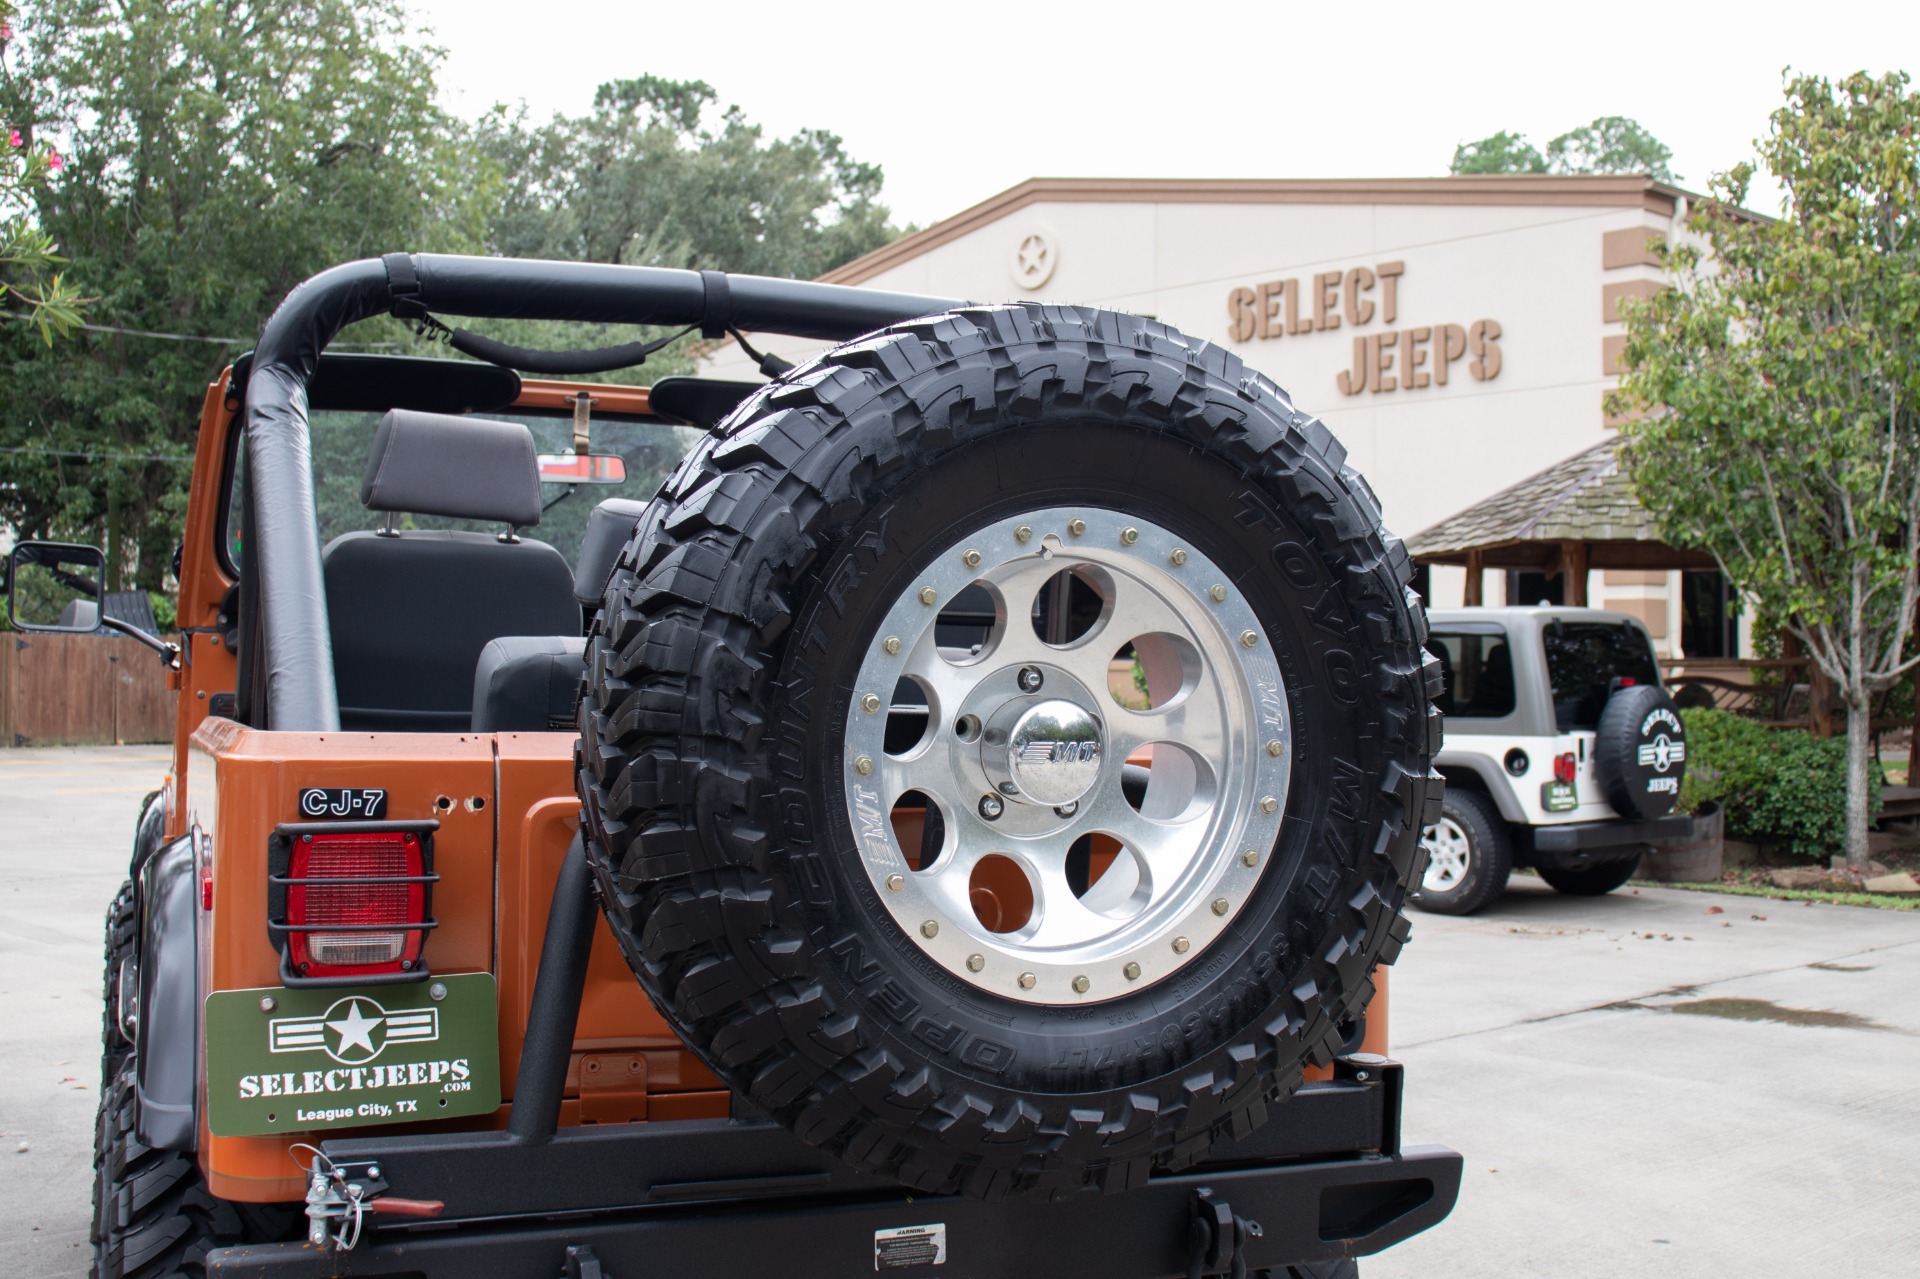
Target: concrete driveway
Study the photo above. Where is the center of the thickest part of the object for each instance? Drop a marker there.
(1643, 1087)
(1639, 1087)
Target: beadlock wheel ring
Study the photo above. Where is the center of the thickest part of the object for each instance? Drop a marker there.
(1018, 725)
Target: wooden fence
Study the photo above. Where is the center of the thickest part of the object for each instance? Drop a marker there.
(81, 690)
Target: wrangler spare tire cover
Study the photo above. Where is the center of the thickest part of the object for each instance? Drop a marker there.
(1005, 746)
(1640, 752)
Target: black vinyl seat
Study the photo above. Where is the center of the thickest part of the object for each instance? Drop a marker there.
(410, 611)
(531, 683)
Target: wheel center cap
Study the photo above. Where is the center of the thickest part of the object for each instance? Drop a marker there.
(1053, 752)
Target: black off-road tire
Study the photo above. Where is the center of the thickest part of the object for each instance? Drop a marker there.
(153, 1217)
(1593, 881)
(114, 1046)
(719, 674)
(1489, 857)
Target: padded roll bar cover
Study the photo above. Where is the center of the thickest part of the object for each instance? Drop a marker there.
(609, 529)
(470, 468)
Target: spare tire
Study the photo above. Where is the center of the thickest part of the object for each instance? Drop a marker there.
(855, 769)
(1640, 752)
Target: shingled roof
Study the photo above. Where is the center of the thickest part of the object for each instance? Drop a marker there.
(1585, 499)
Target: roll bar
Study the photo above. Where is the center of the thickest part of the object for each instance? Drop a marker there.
(290, 594)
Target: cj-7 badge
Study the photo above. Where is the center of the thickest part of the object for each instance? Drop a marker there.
(343, 803)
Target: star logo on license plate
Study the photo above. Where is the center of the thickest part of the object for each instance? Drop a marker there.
(353, 1031)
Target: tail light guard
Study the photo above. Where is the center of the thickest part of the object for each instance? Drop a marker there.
(351, 903)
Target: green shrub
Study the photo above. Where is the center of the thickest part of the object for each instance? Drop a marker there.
(1779, 786)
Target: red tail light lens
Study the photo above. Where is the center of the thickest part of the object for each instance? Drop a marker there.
(352, 903)
(1563, 767)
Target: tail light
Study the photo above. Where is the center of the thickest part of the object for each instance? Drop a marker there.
(1563, 767)
(351, 901)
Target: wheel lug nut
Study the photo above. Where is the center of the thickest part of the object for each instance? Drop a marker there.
(1250, 858)
(1132, 971)
(976, 962)
(1276, 747)
(1269, 804)
(896, 882)
(863, 765)
(1180, 945)
(1076, 527)
(1219, 593)
(870, 703)
(928, 595)
(1220, 906)
(1248, 639)
(971, 559)
(1026, 981)
(1178, 556)
(930, 929)
(892, 645)
(1080, 985)
(991, 806)
(1023, 534)
(1129, 535)
(1031, 679)
(1066, 810)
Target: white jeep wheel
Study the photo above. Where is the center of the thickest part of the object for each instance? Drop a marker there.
(1449, 853)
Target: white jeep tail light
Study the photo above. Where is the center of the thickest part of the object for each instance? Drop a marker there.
(351, 901)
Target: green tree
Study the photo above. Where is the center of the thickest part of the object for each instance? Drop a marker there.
(1779, 378)
(216, 155)
(1502, 152)
(1611, 144)
(31, 286)
(656, 175)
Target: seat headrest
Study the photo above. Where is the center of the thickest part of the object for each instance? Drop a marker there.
(469, 468)
(609, 529)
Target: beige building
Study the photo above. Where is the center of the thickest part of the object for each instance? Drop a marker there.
(1458, 334)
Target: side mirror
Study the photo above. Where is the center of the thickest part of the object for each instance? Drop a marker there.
(55, 586)
(582, 468)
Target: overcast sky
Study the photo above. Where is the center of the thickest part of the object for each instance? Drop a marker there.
(957, 101)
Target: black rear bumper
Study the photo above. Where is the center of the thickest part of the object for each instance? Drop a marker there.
(1324, 1179)
(1581, 844)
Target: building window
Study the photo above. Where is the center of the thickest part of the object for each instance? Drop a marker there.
(1527, 587)
(1709, 615)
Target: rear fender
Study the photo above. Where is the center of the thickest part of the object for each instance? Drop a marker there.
(1468, 771)
(167, 1060)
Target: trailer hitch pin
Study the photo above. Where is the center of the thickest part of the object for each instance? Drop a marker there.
(331, 1199)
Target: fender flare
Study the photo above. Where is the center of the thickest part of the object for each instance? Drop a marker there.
(1491, 777)
(149, 832)
(167, 1056)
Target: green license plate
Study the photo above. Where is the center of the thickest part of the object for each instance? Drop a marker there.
(1558, 797)
(319, 1058)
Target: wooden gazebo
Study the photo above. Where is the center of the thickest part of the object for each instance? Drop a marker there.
(1574, 516)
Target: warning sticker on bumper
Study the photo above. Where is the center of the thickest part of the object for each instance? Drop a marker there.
(905, 1246)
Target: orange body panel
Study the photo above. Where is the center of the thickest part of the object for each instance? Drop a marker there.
(507, 812)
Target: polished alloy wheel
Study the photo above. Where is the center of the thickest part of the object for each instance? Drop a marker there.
(1448, 853)
(1039, 824)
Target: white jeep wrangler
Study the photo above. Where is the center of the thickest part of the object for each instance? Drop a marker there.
(1563, 752)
